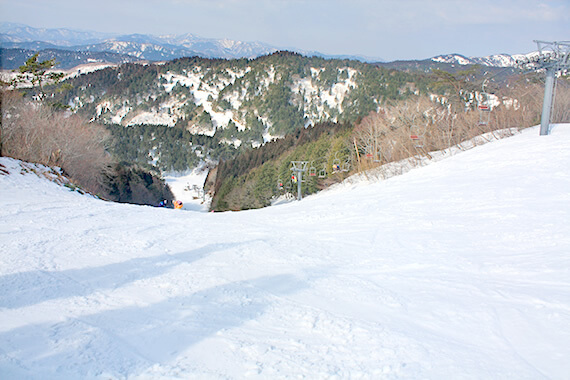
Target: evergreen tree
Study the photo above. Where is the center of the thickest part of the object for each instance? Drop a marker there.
(36, 72)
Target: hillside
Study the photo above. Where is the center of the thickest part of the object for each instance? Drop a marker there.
(310, 89)
(454, 270)
(230, 104)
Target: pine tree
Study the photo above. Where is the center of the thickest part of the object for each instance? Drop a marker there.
(36, 72)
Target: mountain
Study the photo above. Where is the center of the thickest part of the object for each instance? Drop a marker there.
(455, 270)
(496, 60)
(498, 67)
(140, 46)
(139, 50)
(167, 48)
(236, 102)
(20, 33)
(222, 107)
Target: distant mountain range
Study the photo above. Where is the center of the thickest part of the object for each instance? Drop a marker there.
(16, 39)
(138, 46)
(72, 48)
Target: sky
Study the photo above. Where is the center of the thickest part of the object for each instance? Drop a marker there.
(387, 29)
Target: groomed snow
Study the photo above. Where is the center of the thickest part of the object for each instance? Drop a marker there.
(456, 270)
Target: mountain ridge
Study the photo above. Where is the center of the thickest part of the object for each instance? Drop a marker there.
(145, 46)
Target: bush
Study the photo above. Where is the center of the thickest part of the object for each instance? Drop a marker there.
(33, 132)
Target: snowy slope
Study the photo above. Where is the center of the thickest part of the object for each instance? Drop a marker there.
(457, 270)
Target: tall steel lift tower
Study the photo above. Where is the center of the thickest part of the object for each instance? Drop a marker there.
(298, 168)
(553, 57)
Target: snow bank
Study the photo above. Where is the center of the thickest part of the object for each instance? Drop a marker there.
(459, 269)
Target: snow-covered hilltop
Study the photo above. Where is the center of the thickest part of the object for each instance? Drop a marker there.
(235, 102)
(496, 60)
(459, 269)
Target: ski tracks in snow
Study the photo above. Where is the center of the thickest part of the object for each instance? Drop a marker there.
(435, 274)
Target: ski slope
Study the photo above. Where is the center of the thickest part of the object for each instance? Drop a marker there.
(456, 270)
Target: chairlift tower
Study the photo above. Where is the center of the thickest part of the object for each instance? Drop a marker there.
(553, 57)
(299, 167)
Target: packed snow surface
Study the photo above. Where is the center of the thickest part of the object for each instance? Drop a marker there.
(456, 270)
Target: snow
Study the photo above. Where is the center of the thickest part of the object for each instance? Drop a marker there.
(333, 97)
(458, 269)
(153, 118)
(202, 92)
(189, 188)
(452, 58)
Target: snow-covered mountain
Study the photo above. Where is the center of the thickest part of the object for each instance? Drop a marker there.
(142, 46)
(496, 60)
(455, 270)
(155, 48)
(142, 51)
(20, 33)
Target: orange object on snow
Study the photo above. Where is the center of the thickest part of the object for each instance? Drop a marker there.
(177, 204)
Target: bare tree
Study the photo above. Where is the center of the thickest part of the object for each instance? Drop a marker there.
(419, 125)
(370, 133)
(33, 132)
(561, 107)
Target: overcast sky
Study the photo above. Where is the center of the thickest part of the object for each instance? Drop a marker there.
(388, 29)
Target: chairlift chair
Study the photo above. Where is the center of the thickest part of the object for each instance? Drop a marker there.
(312, 171)
(484, 104)
(417, 136)
(484, 107)
(378, 157)
(323, 172)
(336, 164)
(374, 157)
